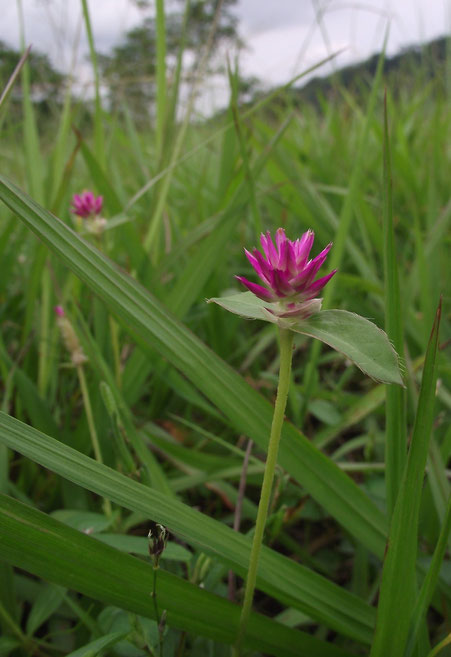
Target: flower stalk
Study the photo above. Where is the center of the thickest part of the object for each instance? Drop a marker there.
(78, 359)
(92, 427)
(286, 345)
(158, 536)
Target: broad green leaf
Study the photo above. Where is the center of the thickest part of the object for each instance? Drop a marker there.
(67, 557)
(398, 587)
(356, 337)
(293, 584)
(245, 409)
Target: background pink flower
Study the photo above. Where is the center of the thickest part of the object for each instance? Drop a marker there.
(86, 204)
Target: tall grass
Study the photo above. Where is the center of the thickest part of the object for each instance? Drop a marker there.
(176, 386)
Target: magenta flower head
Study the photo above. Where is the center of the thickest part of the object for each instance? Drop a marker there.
(288, 274)
(86, 205)
(59, 311)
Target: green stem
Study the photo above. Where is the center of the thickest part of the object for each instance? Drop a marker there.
(44, 337)
(286, 343)
(435, 651)
(116, 350)
(91, 425)
(157, 613)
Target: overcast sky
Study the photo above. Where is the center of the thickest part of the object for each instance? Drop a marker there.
(283, 37)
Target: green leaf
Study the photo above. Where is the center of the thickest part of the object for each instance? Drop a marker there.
(7, 645)
(395, 431)
(398, 587)
(356, 337)
(94, 647)
(140, 545)
(424, 597)
(47, 602)
(84, 521)
(293, 584)
(54, 551)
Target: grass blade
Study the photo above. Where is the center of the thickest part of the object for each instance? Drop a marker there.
(430, 581)
(295, 585)
(99, 571)
(395, 426)
(99, 137)
(161, 77)
(398, 587)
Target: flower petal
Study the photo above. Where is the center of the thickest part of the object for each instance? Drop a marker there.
(318, 285)
(259, 291)
(304, 279)
(259, 264)
(282, 248)
(303, 248)
(269, 249)
(281, 283)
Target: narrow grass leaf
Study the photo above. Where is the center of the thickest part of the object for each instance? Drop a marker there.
(10, 84)
(95, 647)
(48, 601)
(398, 586)
(430, 581)
(395, 424)
(99, 136)
(161, 77)
(62, 555)
(279, 576)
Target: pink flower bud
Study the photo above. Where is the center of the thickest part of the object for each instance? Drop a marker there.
(287, 274)
(86, 205)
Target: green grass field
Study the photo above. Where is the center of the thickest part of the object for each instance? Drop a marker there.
(156, 423)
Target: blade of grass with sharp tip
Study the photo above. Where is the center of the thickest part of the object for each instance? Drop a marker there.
(398, 587)
(395, 424)
(54, 551)
(245, 408)
(279, 576)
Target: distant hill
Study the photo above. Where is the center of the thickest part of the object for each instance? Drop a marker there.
(412, 66)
